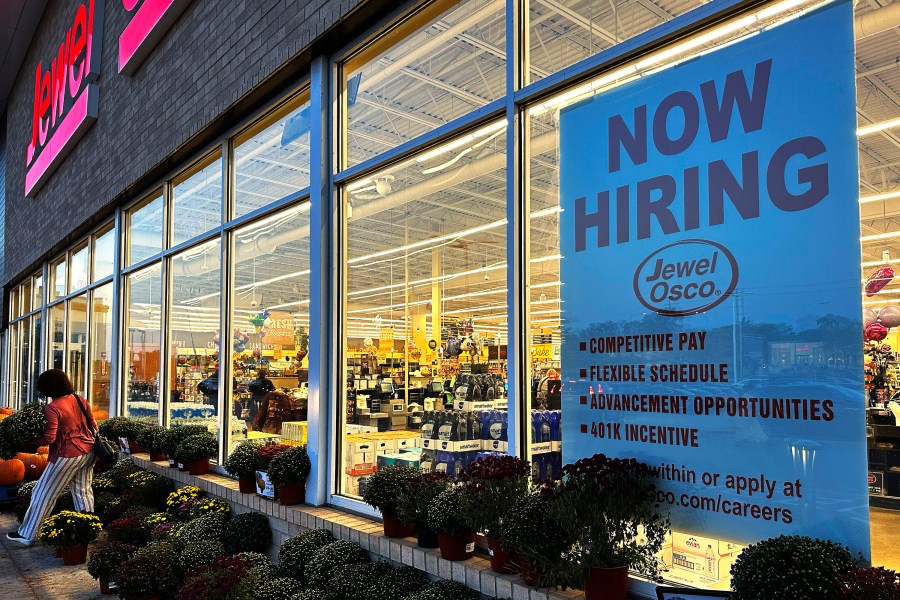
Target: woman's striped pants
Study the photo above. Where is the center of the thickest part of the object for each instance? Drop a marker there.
(77, 471)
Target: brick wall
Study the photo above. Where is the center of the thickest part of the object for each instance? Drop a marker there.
(198, 76)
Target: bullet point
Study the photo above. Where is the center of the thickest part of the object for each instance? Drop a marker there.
(583, 372)
(583, 399)
(582, 346)
(584, 429)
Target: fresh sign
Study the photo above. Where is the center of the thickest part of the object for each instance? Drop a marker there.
(65, 96)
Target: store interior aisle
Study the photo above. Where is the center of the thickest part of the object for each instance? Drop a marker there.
(884, 525)
(36, 574)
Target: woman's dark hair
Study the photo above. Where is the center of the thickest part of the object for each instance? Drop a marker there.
(54, 383)
(261, 374)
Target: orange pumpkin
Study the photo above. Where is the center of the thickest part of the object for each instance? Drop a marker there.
(3, 416)
(6, 410)
(22, 456)
(43, 450)
(11, 471)
(100, 415)
(35, 465)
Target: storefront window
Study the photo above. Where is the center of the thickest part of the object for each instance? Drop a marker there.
(271, 160)
(38, 291)
(78, 272)
(58, 279)
(14, 308)
(270, 341)
(37, 356)
(25, 365)
(57, 331)
(197, 200)
(425, 304)
(144, 230)
(142, 349)
(25, 296)
(194, 380)
(104, 254)
(441, 63)
(101, 349)
(13, 335)
(77, 331)
(563, 33)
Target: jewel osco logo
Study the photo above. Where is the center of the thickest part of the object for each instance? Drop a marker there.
(686, 278)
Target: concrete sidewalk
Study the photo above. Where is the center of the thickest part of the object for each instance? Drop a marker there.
(36, 574)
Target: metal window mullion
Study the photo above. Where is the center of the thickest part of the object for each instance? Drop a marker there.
(323, 383)
(226, 324)
(117, 354)
(165, 296)
(45, 314)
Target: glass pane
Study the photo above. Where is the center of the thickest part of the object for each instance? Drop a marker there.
(144, 230)
(14, 308)
(37, 355)
(79, 268)
(445, 61)
(58, 279)
(25, 296)
(101, 349)
(270, 341)
(57, 336)
(77, 343)
(563, 33)
(104, 254)
(193, 338)
(38, 291)
(14, 358)
(142, 364)
(197, 202)
(25, 365)
(426, 267)
(274, 162)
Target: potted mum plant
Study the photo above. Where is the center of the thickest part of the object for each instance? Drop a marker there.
(536, 540)
(150, 574)
(493, 486)
(128, 431)
(265, 454)
(413, 501)
(243, 464)
(172, 437)
(383, 492)
(70, 533)
(605, 505)
(446, 516)
(105, 560)
(150, 438)
(195, 451)
(288, 472)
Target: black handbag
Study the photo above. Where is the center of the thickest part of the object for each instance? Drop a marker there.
(105, 451)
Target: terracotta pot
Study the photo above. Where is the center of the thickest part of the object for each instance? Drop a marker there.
(291, 493)
(456, 547)
(133, 446)
(158, 456)
(393, 527)
(247, 484)
(500, 559)
(529, 574)
(198, 467)
(426, 536)
(75, 556)
(57, 552)
(105, 589)
(606, 584)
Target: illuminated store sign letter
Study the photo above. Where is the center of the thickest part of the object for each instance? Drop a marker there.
(150, 20)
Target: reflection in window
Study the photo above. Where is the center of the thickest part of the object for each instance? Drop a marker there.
(142, 365)
(14, 358)
(197, 201)
(25, 296)
(78, 273)
(425, 312)
(270, 340)
(101, 349)
(77, 343)
(58, 279)
(104, 253)
(144, 227)
(25, 365)
(193, 338)
(14, 308)
(561, 33)
(397, 90)
(37, 360)
(272, 160)
(57, 336)
(38, 291)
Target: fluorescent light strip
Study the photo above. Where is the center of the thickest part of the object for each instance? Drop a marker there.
(876, 127)
(879, 236)
(458, 143)
(428, 242)
(878, 197)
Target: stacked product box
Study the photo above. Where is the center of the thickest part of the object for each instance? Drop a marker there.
(365, 453)
(450, 440)
(706, 558)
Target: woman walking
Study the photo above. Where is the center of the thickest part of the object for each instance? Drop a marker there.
(70, 435)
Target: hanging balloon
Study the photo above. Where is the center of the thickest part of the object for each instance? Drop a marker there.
(875, 332)
(877, 280)
(869, 317)
(889, 316)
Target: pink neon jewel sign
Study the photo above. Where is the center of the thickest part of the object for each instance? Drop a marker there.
(148, 24)
(65, 96)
